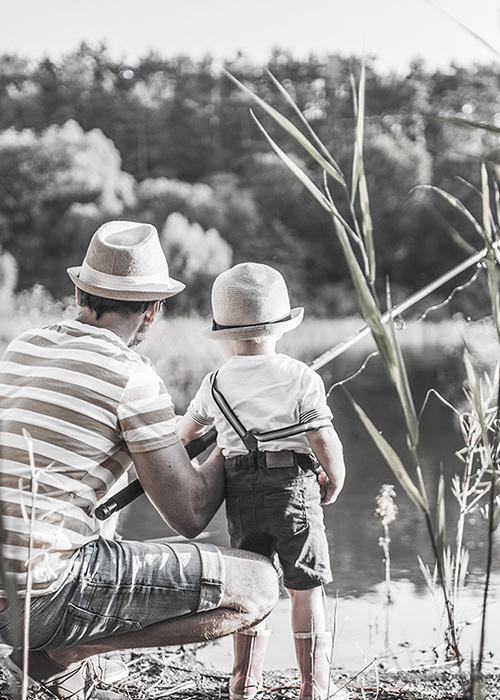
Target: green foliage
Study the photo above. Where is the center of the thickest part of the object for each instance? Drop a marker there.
(54, 188)
(196, 256)
(8, 281)
(177, 123)
(158, 198)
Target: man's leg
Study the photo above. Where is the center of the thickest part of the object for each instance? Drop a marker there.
(251, 591)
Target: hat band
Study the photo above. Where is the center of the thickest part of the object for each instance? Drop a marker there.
(219, 327)
(119, 283)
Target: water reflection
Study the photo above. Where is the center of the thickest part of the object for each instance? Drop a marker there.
(407, 634)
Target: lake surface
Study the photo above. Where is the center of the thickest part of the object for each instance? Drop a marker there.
(410, 631)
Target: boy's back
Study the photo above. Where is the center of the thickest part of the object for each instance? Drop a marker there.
(266, 392)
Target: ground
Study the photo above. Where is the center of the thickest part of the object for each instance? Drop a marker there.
(175, 674)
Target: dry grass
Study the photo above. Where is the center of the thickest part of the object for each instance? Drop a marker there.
(182, 356)
(174, 673)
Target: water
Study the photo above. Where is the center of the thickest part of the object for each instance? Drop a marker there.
(410, 631)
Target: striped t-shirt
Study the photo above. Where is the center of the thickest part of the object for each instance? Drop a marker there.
(75, 401)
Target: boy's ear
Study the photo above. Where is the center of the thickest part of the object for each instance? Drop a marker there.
(77, 296)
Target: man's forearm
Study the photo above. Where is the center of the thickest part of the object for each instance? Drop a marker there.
(212, 482)
(186, 496)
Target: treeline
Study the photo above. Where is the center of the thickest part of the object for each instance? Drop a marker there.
(172, 141)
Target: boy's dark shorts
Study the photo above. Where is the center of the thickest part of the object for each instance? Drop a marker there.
(277, 511)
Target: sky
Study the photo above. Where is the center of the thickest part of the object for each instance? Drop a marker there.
(393, 31)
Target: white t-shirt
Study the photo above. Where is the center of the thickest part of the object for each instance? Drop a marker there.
(266, 392)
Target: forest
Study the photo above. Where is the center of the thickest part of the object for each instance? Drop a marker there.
(174, 142)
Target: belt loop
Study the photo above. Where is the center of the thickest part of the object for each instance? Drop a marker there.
(253, 462)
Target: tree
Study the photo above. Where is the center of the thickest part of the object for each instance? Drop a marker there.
(395, 165)
(54, 189)
(8, 280)
(195, 257)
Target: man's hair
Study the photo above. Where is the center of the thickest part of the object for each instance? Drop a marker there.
(102, 305)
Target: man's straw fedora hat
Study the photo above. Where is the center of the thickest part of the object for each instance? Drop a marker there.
(250, 301)
(125, 260)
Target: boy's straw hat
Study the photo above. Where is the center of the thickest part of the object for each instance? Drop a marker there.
(125, 260)
(250, 301)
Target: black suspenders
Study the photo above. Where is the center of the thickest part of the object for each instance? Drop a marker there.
(251, 439)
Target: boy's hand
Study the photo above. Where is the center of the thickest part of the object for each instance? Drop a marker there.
(328, 451)
(328, 490)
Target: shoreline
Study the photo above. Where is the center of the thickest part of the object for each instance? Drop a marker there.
(175, 673)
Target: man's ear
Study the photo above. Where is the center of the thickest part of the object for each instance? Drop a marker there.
(151, 311)
(77, 296)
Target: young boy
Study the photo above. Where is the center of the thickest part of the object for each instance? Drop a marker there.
(274, 427)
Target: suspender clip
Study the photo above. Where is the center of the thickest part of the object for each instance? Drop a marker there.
(250, 441)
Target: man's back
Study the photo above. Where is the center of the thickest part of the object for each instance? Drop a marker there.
(69, 398)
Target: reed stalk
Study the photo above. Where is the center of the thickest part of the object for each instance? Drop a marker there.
(387, 512)
(29, 571)
(8, 584)
(356, 237)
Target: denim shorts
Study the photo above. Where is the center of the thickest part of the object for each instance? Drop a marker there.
(277, 512)
(120, 586)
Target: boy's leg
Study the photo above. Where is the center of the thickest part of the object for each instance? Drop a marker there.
(249, 653)
(308, 612)
(312, 643)
(250, 593)
(313, 646)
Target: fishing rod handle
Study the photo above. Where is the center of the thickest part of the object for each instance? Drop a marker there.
(134, 489)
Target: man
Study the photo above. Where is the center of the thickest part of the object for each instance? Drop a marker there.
(78, 406)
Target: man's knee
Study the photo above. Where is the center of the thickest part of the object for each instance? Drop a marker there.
(251, 583)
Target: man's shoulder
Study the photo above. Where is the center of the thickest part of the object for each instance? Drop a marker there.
(74, 342)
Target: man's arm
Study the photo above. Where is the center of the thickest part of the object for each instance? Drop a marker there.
(327, 448)
(187, 497)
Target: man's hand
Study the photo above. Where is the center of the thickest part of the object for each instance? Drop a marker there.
(186, 496)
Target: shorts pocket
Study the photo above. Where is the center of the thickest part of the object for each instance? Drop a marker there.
(234, 520)
(286, 511)
(79, 625)
(11, 631)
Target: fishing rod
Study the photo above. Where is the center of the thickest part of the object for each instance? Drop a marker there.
(197, 446)
(413, 299)
(135, 489)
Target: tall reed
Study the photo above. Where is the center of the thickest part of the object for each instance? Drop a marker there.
(355, 233)
(483, 421)
(387, 512)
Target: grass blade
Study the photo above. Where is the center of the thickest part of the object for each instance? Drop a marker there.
(359, 185)
(392, 459)
(296, 170)
(290, 128)
(476, 398)
(456, 203)
(478, 37)
(304, 121)
(359, 109)
(402, 383)
(441, 517)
